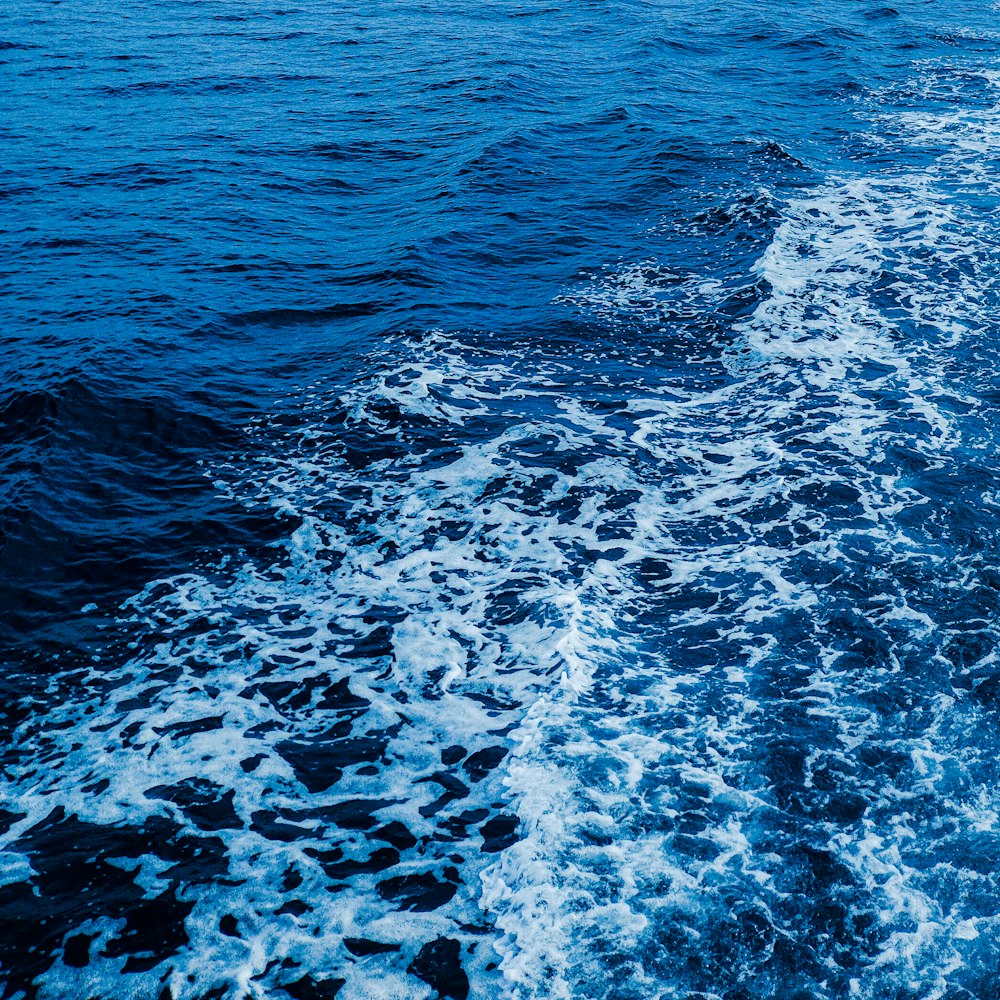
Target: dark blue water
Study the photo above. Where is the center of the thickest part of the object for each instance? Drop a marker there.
(500, 500)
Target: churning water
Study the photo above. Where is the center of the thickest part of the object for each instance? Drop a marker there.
(501, 500)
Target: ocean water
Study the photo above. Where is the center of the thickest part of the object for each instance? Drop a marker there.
(500, 500)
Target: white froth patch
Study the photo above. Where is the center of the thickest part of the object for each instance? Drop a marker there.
(856, 313)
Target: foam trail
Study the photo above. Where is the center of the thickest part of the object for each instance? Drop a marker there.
(749, 802)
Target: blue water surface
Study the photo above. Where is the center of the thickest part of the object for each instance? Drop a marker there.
(499, 500)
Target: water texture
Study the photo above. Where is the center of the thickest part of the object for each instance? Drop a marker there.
(500, 501)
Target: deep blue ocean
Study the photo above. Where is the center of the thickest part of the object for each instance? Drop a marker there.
(500, 500)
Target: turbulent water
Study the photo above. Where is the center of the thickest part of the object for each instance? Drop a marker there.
(500, 500)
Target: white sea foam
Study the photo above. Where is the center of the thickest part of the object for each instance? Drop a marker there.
(871, 280)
